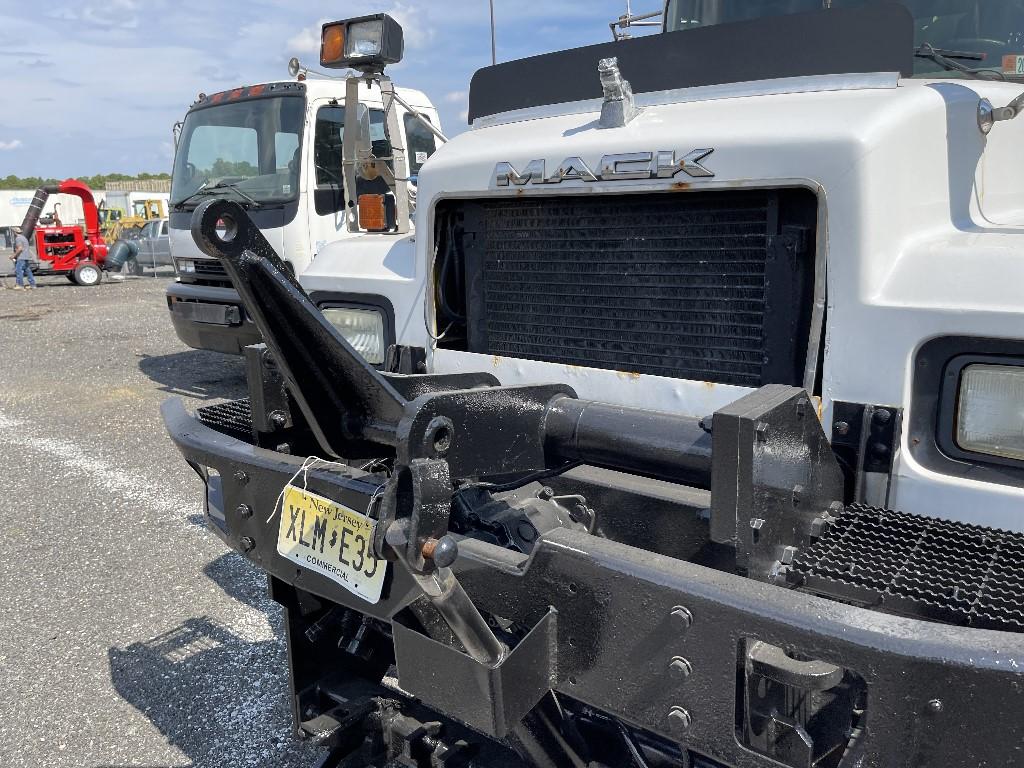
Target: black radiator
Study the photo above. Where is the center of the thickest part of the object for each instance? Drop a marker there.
(714, 286)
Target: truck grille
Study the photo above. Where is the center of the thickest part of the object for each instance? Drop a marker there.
(210, 268)
(900, 563)
(698, 285)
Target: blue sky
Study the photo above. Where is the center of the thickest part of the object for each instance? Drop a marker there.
(94, 86)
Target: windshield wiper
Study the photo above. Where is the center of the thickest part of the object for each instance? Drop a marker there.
(945, 59)
(180, 205)
(233, 186)
(204, 189)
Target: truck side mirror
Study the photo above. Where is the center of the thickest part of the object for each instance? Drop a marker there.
(381, 148)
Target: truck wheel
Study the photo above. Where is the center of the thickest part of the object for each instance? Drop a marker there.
(88, 273)
(135, 268)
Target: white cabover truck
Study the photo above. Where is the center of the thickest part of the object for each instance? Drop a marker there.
(702, 444)
(276, 148)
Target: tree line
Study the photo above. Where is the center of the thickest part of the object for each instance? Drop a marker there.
(98, 182)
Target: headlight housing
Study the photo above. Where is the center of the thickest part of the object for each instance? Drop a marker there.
(366, 43)
(990, 410)
(362, 328)
(186, 266)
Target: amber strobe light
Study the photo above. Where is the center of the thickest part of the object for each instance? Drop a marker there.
(366, 43)
(332, 44)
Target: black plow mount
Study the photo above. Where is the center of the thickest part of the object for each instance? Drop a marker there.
(575, 583)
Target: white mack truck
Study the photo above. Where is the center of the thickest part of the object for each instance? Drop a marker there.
(277, 149)
(700, 443)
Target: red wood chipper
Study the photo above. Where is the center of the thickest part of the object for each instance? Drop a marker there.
(70, 250)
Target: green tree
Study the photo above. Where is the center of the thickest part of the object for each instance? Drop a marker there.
(97, 182)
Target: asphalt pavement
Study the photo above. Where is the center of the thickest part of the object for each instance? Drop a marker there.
(129, 636)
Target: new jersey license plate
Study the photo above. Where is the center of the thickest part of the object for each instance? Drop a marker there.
(329, 538)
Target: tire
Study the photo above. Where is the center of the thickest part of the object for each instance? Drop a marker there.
(70, 276)
(88, 273)
(135, 268)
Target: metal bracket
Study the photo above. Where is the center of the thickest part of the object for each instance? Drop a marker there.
(772, 474)
(493, 699)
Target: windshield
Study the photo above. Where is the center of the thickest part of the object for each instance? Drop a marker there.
(252, 145)
(982, 34)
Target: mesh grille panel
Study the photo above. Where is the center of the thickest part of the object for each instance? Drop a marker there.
(232, 418)
(953, 572)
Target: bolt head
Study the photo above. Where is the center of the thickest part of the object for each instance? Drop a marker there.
(935, 707)
(241, 477)
(841, 428)
(679, 718)
(247, 543)
(680, 668)
(682, 617)
(882, 416)
(244, 511)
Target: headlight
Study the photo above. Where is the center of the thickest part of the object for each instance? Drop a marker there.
(364, 39)
(188, 267)
(990, 410)
(362, 328)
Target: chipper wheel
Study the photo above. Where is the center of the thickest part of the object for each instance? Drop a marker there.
(88, 273)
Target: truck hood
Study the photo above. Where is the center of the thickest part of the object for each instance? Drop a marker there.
(900, 168)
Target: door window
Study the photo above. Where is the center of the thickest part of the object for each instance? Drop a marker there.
(421, 140)
(329, 194)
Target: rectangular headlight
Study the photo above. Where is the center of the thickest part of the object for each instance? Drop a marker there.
(186, 266)
(990, 411)
(364, 39)
(362, 328)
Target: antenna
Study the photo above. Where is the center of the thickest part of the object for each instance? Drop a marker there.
(494, 50)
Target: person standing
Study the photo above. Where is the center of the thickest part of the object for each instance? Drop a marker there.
(22, 263)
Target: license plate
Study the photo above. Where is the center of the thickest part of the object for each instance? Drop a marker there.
(1013, 65)
(329, 538)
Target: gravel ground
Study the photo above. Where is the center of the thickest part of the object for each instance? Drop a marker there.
(130, 636)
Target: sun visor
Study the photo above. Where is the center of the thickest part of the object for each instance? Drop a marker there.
(878, 37)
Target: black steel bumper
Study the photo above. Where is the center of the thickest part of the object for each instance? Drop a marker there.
(210, 317)
(609, 619)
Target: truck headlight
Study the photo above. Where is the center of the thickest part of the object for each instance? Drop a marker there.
(186, 266)
(362, 328)
(990, 410)
(366, 43)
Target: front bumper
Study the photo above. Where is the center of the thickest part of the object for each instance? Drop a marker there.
(210, 317)
(935, 695)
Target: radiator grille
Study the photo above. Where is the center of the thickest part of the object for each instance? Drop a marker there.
(668, 284)
(901, 563)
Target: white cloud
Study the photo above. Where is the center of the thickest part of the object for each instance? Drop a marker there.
(416, 29)
(12, 144)
(307, 41)
(456, 97)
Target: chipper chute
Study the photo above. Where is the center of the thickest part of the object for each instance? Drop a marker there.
(567, 582)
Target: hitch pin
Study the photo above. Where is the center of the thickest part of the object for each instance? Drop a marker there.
(446, 594)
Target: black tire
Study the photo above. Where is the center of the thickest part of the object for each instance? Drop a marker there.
(70, 276)
(88, 273)
(135, 268)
